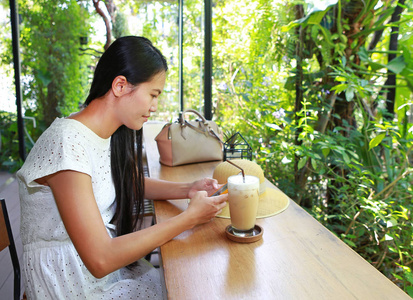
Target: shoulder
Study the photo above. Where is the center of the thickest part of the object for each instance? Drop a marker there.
(65, 145)
(57, 140)
(60, 130)
(73, 133)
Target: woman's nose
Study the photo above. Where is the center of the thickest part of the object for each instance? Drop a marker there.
(154, 105)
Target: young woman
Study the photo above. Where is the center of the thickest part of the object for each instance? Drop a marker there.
(82, 189)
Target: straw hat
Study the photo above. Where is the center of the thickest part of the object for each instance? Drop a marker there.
(271, 201)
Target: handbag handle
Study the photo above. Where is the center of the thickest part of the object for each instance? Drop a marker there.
(182, 114)
(204, 121)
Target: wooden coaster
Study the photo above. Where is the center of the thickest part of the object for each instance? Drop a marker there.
(257, 235)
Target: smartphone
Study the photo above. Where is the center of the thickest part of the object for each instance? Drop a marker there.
(220, 191)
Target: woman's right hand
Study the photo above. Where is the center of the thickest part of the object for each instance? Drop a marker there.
(203, 209)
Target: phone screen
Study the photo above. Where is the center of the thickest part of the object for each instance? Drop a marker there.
(219, 192)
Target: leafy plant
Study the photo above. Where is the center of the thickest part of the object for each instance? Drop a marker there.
(54, 70)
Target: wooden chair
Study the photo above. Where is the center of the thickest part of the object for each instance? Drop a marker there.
(6, 240)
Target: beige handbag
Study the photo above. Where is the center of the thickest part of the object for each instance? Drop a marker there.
(185, 142)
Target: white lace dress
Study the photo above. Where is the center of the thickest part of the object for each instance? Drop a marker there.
(51, 267)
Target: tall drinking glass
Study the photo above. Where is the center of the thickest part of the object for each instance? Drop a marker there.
(243, 195)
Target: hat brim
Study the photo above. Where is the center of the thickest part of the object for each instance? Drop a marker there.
(271, 202)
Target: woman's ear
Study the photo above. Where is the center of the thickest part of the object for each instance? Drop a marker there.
(119, 85)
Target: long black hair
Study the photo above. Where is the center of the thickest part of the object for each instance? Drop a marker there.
(138, 60)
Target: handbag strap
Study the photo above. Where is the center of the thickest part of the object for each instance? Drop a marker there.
(208, 129)
(182, 115)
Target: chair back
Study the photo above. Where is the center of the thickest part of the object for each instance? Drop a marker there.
(4, 236)
(7, 240)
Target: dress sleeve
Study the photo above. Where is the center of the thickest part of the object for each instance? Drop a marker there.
(56, 150)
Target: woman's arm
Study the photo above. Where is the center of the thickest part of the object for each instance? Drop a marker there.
(102, 254)
(156, 189)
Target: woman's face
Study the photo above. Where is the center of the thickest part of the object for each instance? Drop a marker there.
(137, 106)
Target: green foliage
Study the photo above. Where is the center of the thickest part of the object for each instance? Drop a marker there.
(120, 26)
(372, 192)
(54, 68)
(334, 149)
(248, 93)
(9, 143)
(10, 160)
(356, 167)
(158, 22)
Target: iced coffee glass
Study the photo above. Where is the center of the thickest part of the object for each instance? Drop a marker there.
(243, 194)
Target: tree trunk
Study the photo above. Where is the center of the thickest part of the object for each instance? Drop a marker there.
(107, 22)
(391, 77)
(300, 178)
(50, 109)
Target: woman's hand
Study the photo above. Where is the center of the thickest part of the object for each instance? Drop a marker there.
(206, 184)
(202, 208)
(156, 189)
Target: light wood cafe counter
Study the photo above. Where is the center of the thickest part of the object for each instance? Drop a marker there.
(297, 258)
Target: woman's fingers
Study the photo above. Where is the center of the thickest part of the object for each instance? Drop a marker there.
(207, 207)
(221, 200)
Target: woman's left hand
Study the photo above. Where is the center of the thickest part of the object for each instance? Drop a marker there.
(206, 184)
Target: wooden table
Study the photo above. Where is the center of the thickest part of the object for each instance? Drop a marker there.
(297, 258)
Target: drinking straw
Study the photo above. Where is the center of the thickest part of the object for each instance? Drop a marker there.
(242, 170)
